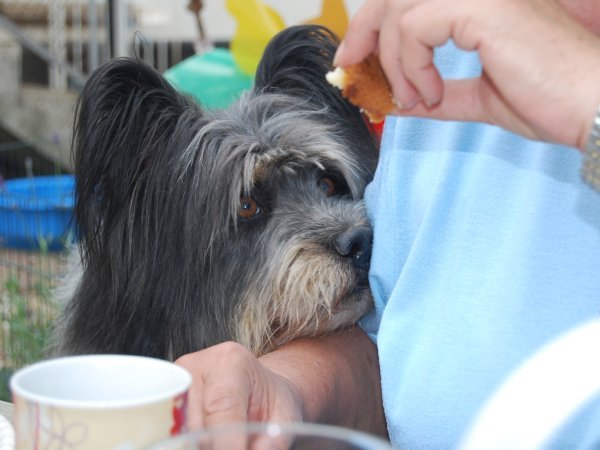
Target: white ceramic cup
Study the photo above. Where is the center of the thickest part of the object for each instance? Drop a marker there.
(98, 402)
(273, 436)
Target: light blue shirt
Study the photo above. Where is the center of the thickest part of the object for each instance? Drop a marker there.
(486, 251)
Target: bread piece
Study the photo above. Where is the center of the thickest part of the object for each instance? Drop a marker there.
(365, 85)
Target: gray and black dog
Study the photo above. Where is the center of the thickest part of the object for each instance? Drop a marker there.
(196, 227)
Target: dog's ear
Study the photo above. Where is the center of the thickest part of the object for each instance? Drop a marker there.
(126, 117)
(296, 61)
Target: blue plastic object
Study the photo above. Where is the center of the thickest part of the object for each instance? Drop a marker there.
(35, 213)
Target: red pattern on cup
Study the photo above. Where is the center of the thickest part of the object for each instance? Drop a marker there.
(179, 413)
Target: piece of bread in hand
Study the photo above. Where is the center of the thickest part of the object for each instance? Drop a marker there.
(365, 86)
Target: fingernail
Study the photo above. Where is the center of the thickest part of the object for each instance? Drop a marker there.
(412, 103)
(408, 105)
(397, 103)
(338, 52)
(431, 103)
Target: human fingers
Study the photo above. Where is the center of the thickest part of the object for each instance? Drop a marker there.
(460, 102)
(362, 35)
(226, 396)
(193, 364)
(390, 57)
(537, 99)
(221, 384)
(473, 100)
(422, 28)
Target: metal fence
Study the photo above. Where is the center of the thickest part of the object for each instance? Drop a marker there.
(47, 50)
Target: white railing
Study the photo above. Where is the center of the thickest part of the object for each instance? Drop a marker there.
(70, 36)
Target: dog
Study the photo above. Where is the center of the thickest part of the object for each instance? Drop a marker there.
(197, 227)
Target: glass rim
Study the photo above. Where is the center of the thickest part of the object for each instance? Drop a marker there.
(276, 429)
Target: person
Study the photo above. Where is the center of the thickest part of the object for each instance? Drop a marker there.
(486, 243)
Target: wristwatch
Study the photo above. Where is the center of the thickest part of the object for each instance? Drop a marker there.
(590, 171)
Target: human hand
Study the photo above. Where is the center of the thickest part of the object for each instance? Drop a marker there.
(231, 385)
(541, 68)
(333, 379)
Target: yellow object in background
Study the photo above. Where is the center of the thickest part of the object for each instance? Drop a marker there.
(257, 24)
(334, 16)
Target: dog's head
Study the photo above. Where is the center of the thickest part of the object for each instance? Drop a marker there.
(198, 227)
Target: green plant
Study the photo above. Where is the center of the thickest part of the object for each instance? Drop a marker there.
(5, 374)
(27, 323)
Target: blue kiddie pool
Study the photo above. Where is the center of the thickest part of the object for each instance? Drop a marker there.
(35, 213)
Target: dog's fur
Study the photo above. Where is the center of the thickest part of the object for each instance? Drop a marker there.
(196, 227)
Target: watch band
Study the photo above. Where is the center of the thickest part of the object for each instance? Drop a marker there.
(590, 171)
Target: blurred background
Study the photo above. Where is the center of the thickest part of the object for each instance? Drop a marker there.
(206, 48)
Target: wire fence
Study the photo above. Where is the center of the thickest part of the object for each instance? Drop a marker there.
(32, 243)
(48, 48)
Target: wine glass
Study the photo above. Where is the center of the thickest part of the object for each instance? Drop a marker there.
(273, 436)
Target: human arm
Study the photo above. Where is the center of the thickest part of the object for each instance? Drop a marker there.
(333, 379)
(541, 68)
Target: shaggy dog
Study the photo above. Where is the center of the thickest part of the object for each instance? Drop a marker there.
(196, 227)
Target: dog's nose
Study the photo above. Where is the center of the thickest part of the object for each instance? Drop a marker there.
(355, 244)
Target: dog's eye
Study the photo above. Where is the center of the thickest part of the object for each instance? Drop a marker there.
(248, 207)
(327, 185)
